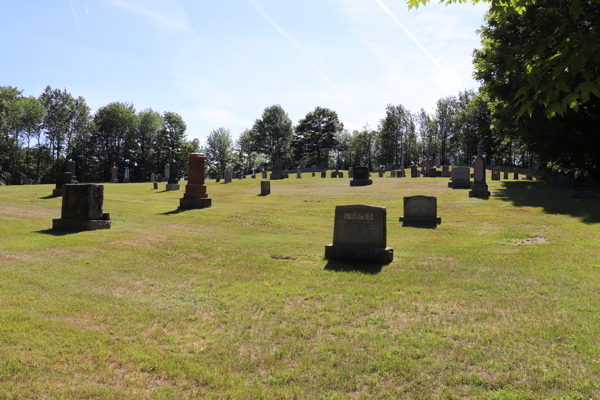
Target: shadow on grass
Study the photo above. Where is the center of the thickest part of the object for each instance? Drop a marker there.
(262, 195)
(50, 196)
(59, 232)
(419, 225)
(353, 266)
(553, 199)
(175, 211)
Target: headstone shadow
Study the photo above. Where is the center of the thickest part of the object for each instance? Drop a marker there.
(50, 196)
(353, 266)
(421, 225)
(59, 232)
(553, 199)
(175, 211)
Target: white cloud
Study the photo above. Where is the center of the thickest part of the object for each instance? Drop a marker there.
(168, 13)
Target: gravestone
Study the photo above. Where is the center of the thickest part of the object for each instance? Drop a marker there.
(414, 172)
(286, 174)
(535, 167)
(516, 176)
(114, 178)
(393, 173)
(340, 174)
(528, 175)
(155, 185)
(159, 178)
(167, 171)
(505, 175)
(62, 178)
(313, 174)
(400, 173)
(253, 175)
(361, 177)
(493, 162)
(420, 210)
(563, 179)
(265, 188)
(431, 173)
(126, 179)
(228, 175)
(350, 170)
(298, 173)
(323, 174)
(437, 162)
(240, 176)
(82, 208)
(496, 174)
(582, 188)
(334, 174)
(277, 168)
(71, 169)
(173, 183)
(446, 171)
(381, 174)
(460, 178)
(360, 234)
(195, 195)
(153, 177)
(264, 174)
(453, 163)
(313, 168)
(479, 188)
(321, 166)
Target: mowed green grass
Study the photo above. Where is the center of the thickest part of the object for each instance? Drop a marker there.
(237, 302)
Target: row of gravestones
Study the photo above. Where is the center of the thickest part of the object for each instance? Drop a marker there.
(83, 204)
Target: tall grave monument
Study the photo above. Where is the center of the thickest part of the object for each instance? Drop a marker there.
(195, 191)
(173, 183)
(71, 169)
(479, 188)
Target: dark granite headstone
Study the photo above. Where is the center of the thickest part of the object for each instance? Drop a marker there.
(414, 172)
(496, 174)
(71, 168)
(420, 210)
(265, 188)
(83, 208)
(323, 174)
(360, 177)
(479, 188)
(62, 178)
(360, 234)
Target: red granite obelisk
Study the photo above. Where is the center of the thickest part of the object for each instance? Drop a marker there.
(195, 191)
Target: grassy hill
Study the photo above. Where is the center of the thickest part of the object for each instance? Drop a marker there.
(500, 301)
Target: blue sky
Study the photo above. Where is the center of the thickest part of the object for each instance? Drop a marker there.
(220, 63)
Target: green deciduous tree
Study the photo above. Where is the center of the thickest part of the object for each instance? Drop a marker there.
(150, 123)
(316, 134)
(272, 133)
(219, 147)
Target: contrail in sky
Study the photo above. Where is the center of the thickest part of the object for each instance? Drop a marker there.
(86, 10)
(75, 15)
(416, 42)
(289, 38)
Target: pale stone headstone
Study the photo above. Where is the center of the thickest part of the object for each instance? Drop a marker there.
(350, 172)
(126, 180)
(446, 171)
(461, 178)
(420, 210)
(167, 171)
(265, 188)
(114, 178)
(153, 177)
(264, 174)
(360, 233)
(479, 188)
(228, 176)
(82, 208)
(496, 174)
(298, 173)
(361, 177)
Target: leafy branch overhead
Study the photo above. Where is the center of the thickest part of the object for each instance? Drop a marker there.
(561, 68)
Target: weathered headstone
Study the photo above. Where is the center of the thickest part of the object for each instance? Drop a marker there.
(265, 188)
(460, 178)
(340, 174)
(313, 168)
(82, 208)
(313, 174)
(264, 174)
(334, 174)
(420, 210)
(350, 171)
(253, 175)
(195, 195)
(228, 175)
(528, 175)
(361, 177)
(446, 171)
(381, 174)
(126, 179)
(582, 188)
(431, 173)
(167, 171)
(414, 172)
(114, 170)
(479, 188)
(535, 167)
(321, 166)
(323, 174)
(400, 173)
(516, 176)
(298, 173)
(240, 176)
(173, 183)
(360, 233)
(153, 177)
(286, 173)
(71, 168)
(62, 178)
(437, 162)
(155, 185)
(277, 168)
(496, 174)
(505, 175)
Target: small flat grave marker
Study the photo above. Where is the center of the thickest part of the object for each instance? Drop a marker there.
(420, 211)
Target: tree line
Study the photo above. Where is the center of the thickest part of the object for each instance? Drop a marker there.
(39, 134)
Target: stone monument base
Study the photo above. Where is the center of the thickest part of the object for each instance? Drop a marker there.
(460, 185)
(479, 191)
(186, 203)
(376, 255)
(57, 192)
(82, 224)
(172, 186)
(582, 194)
(361, 182)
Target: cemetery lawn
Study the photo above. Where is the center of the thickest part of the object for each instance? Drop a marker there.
(500, 301)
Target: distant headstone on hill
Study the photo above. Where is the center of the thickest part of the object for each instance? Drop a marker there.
(126, 179)
(361, 177)
(496, 174)
(479, 188)
(71, 168)
(228, 176)
(323, 174)
(505, 175)
(313, 168)
(350, 172)
(173, 183)
(420, 210)
(114, 170)
(82, 208)
(360, 234)
(460, 178)
(153, 177)
(414, 172)
(62, 178)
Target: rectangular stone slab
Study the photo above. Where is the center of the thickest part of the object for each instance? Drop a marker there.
(83, 201)
(360, 226)
(420, 209)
